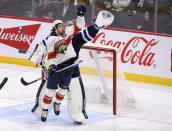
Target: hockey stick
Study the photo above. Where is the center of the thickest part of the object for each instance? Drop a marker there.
(10, 75)
(43, 80)
(37, 96)
(28, 83)
(3, 82)
(72, 65)
(83, 98)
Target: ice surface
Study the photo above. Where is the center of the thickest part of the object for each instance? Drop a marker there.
(16, 101)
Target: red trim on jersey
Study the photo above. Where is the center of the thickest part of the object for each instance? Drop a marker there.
(68, 40)
(59, 96)
(76, 30)
(47, 99)
(59, 42)
(52, 55)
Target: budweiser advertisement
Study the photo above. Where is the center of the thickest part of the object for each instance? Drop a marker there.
(12, 38)
(137, 53)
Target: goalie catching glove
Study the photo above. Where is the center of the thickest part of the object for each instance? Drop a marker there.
(104, 19)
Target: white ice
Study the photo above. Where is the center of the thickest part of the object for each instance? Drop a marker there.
(16, 100)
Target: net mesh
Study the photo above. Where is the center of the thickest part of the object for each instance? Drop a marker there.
(100, 76)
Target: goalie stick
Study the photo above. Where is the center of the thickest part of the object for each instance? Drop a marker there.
(38, 95)
(3, 82)
(83, 98)
(43, 67)
(43, 80)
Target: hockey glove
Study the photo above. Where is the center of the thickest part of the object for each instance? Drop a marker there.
(52, 70)
(81, 10)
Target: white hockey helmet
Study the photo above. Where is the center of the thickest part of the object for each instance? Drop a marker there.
(56, 22)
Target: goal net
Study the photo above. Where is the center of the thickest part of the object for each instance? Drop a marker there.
(104, 84)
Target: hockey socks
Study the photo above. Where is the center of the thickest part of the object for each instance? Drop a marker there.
(58, 99)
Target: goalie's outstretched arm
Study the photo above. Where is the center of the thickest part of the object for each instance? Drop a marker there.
(80, 20)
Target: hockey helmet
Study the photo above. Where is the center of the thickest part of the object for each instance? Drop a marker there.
(56, 22)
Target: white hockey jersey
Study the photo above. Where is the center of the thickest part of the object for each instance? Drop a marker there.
(51, 43)
(55, 57)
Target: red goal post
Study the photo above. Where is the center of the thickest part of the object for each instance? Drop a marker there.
(99, 49)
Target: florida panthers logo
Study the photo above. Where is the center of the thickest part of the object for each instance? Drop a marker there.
(60, 46)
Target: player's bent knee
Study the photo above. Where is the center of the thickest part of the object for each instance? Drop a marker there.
(50, 92)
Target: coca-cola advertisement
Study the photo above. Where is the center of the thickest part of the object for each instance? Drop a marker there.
(128, 49)
(148, 54)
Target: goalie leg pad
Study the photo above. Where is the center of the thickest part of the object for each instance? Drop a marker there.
(104, 19)
(78, 118)
(74, 101)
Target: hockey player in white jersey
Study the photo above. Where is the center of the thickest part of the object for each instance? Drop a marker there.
(63, 46)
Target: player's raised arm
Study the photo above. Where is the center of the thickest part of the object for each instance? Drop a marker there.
(80, 20)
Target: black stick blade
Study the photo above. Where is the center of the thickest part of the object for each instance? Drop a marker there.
(35, 107)
(24, 82)
(28, 83)
(3, 82)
